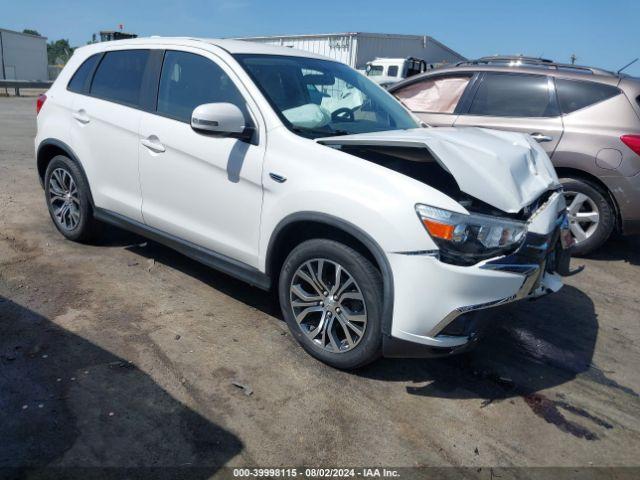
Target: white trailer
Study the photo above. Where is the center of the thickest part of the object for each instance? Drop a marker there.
(357, 48)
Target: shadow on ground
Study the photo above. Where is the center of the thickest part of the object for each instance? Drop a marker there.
(531, 346)
(65, 402)
(252, 296)
(619, 248)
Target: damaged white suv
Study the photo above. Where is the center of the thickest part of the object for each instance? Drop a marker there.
(291, 171)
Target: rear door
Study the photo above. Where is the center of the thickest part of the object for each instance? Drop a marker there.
(435, 99)
(517, 102)
(104, 131)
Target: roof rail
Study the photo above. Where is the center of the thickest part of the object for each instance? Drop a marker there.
(522, 61)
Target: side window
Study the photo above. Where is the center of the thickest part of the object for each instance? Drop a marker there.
(189, 80)
(374, 70)
(434, 95)
(509, 95)
(119, 76)
(414, 68)
(574, 95)
(79, 79)
(393, 71)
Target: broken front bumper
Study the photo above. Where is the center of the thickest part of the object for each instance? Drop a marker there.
(441, 308)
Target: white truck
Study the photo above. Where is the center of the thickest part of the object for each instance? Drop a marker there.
(387, 71)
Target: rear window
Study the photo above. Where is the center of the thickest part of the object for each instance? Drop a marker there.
(512, 95)
(119, 76)
(79, 79)
(574, 95)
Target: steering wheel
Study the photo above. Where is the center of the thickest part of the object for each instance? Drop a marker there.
(343, 114)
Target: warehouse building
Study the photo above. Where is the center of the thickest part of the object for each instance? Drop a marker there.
(358, 48)
(22, 56)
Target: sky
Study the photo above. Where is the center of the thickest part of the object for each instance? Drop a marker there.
(600, 33)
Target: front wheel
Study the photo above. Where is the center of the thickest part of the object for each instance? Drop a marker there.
(330, 298)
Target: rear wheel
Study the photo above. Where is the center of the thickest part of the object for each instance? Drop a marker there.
(67, 196)
(330, 297)
(591, 216)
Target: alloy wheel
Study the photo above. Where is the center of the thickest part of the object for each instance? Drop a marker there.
(63, 198)
(583, 214)
(328, 305)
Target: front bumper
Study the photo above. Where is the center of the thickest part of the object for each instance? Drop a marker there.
(441, 308)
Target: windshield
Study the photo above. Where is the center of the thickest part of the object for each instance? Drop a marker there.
(321, 98)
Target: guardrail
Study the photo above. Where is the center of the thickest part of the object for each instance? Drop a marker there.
(18, 84)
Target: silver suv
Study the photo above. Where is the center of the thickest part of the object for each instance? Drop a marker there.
(587, 119)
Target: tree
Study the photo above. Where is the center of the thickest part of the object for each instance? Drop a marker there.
(31, 32)
(59, 52)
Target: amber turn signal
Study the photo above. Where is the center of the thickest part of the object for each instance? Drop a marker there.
(438, 230)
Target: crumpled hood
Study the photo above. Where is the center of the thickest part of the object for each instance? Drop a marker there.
(507, 170)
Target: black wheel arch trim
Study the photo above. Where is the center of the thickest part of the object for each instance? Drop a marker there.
(356, 232)
(71, 154)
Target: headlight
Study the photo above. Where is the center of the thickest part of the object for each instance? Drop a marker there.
(467, 239)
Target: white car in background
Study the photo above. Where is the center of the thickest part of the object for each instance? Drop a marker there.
(295, 172)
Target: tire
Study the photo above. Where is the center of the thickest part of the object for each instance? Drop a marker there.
(78, 223)
(340, 314)
(583, 200)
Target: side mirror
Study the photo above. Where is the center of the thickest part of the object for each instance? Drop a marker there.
(224, 119)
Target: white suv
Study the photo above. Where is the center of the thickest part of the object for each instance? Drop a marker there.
(292, 171)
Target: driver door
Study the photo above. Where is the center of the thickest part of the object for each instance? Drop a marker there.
(200, 187)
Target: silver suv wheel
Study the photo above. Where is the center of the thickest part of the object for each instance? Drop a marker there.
(328, 305)
(584, 216)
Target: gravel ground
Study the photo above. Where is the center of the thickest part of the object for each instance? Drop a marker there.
(125, 354)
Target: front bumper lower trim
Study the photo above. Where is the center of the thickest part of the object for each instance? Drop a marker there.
(531, 273)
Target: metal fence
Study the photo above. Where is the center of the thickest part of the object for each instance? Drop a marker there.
(18, 84)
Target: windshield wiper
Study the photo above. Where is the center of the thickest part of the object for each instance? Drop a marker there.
(316, 131)
(338, 133)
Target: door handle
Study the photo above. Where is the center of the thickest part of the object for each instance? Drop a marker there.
(81, 116)
(540, 138)
(153, 143)
(277, 178)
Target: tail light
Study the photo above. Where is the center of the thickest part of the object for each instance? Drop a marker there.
(40, 102)
(632, 141)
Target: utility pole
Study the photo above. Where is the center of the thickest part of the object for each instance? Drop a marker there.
(573, 59)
